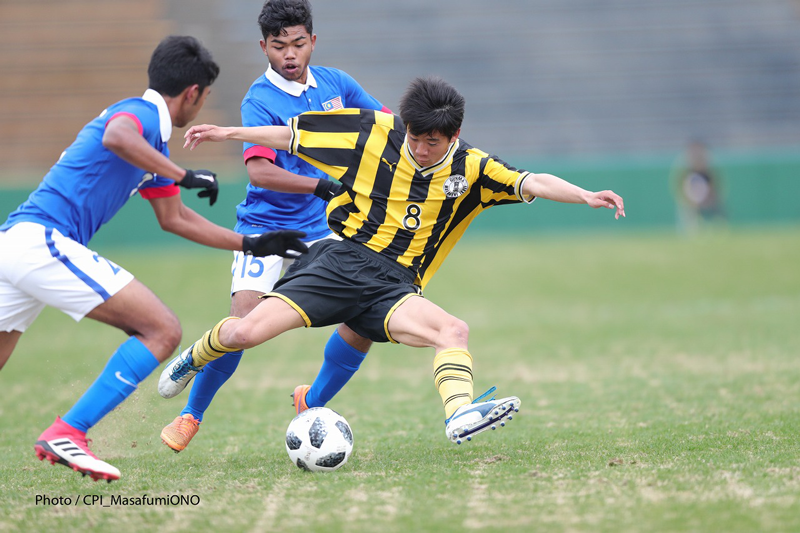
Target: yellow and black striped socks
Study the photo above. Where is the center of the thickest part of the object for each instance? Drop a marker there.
(452, 375)
(208, 347)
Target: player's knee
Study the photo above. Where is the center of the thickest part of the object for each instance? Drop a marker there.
(236, 334)
(353, 339)
(169, 331)
(455, 332)
(173, 336)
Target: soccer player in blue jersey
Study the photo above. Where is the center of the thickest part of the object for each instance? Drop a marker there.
(45, 259)
(284, 192)
(410, 188)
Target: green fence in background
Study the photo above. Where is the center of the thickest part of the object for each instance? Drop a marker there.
(758, 189)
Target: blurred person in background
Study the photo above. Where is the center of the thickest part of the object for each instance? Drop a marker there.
(284, 192)
(697, 189)
(44, 259)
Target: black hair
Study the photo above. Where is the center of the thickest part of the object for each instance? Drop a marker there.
(178, 62)
(277, 15)
(432, 105)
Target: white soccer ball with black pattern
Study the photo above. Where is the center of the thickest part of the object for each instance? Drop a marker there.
(319, 440)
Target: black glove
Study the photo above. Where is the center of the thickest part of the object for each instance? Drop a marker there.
(202, 178)
(327, 189)
(275, 243)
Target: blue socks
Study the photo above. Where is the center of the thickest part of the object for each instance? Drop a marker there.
(133, 362)
(209, 381)
(130, 364)
(341, 362)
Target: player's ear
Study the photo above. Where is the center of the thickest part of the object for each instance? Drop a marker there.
(455, 135)
(313, 41)
(263, 44)
(192, 94)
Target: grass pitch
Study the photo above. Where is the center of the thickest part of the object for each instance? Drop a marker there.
(659, 377)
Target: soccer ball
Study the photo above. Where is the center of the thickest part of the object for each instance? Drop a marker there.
(319, 440)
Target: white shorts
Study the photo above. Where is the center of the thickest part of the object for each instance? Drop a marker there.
(39, 266)
(260, 274)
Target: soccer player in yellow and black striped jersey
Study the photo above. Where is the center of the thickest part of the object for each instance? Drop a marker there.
(410, 187)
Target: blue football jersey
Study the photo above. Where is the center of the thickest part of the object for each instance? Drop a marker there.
(272, 101)
(89, 183)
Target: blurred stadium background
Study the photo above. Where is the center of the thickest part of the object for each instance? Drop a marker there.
(659, 372)
(605, 93)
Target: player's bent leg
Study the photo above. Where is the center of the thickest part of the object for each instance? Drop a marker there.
(179, 433)
(130, 364)
(136, 310)
(269, 319)
(183, 368)
(8, 341)
(133, 308)
(419, 322)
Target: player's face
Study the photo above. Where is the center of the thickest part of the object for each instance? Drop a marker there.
(290, 53)
(191, 104)
(429, 148)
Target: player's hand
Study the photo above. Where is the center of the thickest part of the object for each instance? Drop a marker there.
(327, 189)
(285, 243)
(204, 132)
(607, 199)
(205, 179)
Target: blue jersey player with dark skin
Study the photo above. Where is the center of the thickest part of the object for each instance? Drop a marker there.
(284, 192)
(45, 260)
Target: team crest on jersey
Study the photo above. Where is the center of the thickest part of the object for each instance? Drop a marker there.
(335, 103)
(455, 186)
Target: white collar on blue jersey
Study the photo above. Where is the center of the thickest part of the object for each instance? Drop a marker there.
(164, 119)
(287, 86)
(436, 167)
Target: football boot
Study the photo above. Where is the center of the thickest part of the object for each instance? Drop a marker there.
(180, 432)
(66, 445)
(480, 416)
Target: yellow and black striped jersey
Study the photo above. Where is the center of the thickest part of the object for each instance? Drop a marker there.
(388, 202)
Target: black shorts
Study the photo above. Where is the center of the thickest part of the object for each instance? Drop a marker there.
(343, 281)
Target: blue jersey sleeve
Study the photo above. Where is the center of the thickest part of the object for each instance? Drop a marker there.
(151, 186)
(355, 95)
(89, 183)
(256, 113)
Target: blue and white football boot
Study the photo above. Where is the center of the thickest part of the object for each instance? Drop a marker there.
(177, 374)
(478, 416)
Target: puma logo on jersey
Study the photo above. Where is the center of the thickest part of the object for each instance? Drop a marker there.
(390, 165)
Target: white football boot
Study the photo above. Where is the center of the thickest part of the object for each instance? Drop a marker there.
(177, 374)
(479, 416)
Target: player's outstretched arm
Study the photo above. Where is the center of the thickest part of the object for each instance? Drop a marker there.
(267, 175)
(554, 188)
(276, 137)
(175, 217)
